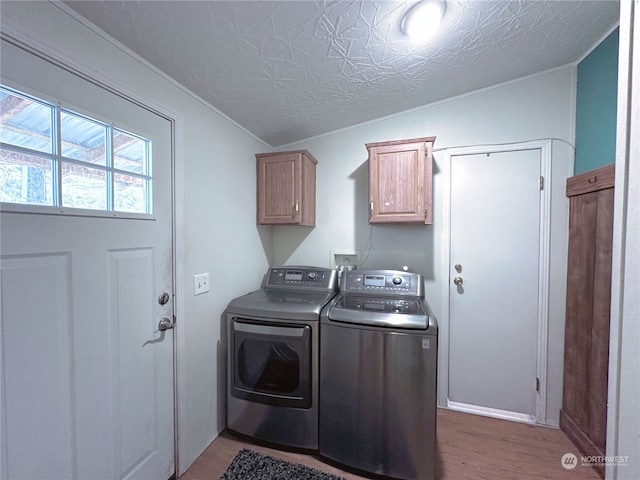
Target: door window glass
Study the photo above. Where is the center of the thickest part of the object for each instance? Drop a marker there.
(26, 178)
(26, 122)
(83, 187)
(56, 157)
(83, 139)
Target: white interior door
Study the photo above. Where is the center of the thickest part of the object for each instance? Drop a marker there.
(87, 380)
(494, 256)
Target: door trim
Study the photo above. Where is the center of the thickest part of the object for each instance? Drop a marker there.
(545, 149)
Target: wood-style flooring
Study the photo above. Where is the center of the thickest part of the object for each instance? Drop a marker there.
(469, 447)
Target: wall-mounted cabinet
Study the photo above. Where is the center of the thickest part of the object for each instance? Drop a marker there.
(400, 181)
(286, 188)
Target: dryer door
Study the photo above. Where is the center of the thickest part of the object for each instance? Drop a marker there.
(271, 362)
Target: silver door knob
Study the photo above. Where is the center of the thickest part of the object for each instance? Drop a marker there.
(458, 281)
(165, 324)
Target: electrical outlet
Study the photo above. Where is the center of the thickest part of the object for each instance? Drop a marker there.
(201, 283)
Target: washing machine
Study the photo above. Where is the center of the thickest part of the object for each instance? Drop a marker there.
(378, 374)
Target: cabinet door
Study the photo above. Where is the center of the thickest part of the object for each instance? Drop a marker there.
(400, 182)
(278, 189)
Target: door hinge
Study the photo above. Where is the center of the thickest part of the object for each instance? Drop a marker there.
(537, 385)
(541, 183)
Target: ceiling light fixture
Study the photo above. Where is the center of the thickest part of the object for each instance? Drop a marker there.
(422, 20)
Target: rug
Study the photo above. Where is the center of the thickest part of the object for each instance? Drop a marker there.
(250, 465)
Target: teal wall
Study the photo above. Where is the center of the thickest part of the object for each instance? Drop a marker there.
(596, 106)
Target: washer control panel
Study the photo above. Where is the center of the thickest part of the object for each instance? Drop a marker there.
(301, 277)
(383, 282)
(380, 305)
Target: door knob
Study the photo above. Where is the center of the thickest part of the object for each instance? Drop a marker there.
(458, 281)
(165, 324)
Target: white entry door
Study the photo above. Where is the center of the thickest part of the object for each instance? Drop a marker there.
(493, 295)
(86, 377)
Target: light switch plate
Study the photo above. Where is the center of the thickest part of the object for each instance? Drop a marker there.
(201, 283)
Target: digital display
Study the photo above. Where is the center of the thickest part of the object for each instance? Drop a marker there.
(379, 307)
(293, 275)
(374, 280)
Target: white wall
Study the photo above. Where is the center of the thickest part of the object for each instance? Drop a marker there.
(536, 107)
(215, 194)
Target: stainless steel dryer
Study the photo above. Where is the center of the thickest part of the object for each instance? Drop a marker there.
(378, 364)
(273, 345)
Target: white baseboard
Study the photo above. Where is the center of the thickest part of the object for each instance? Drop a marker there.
(491, 412)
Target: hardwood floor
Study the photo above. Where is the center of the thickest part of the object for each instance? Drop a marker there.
(469, 447)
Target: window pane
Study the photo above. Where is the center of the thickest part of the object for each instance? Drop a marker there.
(130, 194)
(84, 187)
(83, 139)
(25, 179)
(25, 123)
(129, 153)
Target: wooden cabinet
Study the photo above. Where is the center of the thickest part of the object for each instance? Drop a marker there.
(286, 188)
(583, 416)
(400, 181)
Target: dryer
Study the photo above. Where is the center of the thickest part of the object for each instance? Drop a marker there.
(273, 363)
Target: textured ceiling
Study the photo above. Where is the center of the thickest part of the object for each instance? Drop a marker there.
(290, 70)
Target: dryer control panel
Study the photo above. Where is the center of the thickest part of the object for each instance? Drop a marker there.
(299, 277)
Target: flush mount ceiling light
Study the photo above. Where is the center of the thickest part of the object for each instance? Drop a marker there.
(422, 20)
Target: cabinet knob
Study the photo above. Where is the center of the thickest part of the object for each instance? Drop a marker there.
(458, 281)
